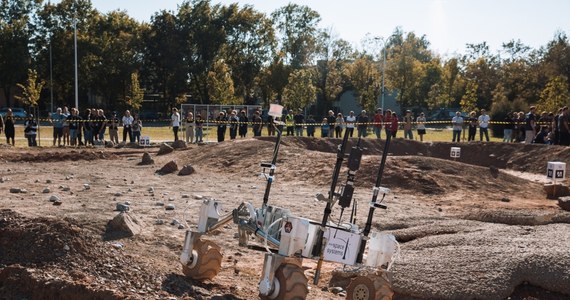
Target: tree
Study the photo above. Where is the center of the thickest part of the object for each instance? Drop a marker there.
(31, 90)
(365, 80)
(135, 95)
(298, 26)
(469, 99)
(555, 95)
(15, 36)
(300, 91)
(221, 85)
(332, 54)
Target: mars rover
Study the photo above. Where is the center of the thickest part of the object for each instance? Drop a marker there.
(289, 238)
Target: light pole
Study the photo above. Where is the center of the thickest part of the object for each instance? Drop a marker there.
(50, 62)
(75, 47)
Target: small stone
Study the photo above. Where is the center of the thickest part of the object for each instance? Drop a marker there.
(165, 149)
(127, 202)
(151, 189)
(198, 197)
(170, 207)
(505, 200)
(168, 168)
(67, 177)
(66, 189)
(46, 191)
(159, 203)
(122, 207)
(342, 294)
(57, 203)
(86, 186)
(23, 191)
(36, 181)
(159, 222)
(146, 159)
(54, 198)
(186, 170)
(108, 186)
(181, 226)
(174, 222)
(15, 190)
(48, 181)
(185, 196)
(171, 199)
(130, 190)
(66, 248)
(118, 194)
(336, 290)
(2, 179)
(132, 182)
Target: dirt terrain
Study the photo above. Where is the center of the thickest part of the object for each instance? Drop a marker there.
(478, 227)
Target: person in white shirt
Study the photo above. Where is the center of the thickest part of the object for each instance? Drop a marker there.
(127, 123)
(175, 122)
(483, 121)
(350, 121)
(421, 121)
(457, 123)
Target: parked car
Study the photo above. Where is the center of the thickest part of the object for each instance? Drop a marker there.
(18, 113)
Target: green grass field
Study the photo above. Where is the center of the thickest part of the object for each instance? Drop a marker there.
(165, 134)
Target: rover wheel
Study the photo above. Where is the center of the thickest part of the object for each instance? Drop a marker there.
(365, 288)
(209, 261)
(291, 284)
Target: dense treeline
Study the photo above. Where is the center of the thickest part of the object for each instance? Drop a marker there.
(210, 53)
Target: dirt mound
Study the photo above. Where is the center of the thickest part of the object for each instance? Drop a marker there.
(49, 155)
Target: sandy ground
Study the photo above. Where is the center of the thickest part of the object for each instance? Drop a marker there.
(61, 251)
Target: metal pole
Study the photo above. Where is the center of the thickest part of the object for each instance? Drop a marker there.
(75, 44)
(50, 65)
(383, 68)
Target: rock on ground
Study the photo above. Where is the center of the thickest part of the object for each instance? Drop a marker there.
(123, 225)
(146, 159)
(170, 167)
(186, 170)
(179, 145)
(165, 149)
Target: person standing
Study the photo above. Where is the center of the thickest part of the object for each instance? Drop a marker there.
(508, 130)
(1, 124)
(472, 127)
(30, 131)
(529, 125)
(394, 128)
(421, 126)
(325, 128)
(66, 129)
(243, 124)
(221, 120)
(299, 119)
(350, 123)
(175, 122)
(136, 129)
(113, 124)
(378, 119)
(199, 129)
(57, 120)
(127, 123)
(257, 124)
(331, 118)
(563, 128)
(311, 126)
(87, 127)
(234, 123)
(189, 127)
(9, 129)
(457, 123)
(289, 123)
(483, 122)
(74, 121)
(338, 125)
(388, 122)
(408, 120)
(362, 124)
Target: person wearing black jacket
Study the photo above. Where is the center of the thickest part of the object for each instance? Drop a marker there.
(221, 121)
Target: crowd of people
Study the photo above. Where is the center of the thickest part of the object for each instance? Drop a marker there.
(71, 128)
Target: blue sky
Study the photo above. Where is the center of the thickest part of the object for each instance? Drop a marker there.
(447, 24)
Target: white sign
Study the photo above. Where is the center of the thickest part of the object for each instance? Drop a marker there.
(555, 170)
(145, 141)
(342, 246)
(455, 152)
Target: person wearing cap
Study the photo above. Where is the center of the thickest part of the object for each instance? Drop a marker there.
(529, 125)
(30, 130)
(408, 120)
(299, 119)
(362, 124)
(378, 119)
(483, 122)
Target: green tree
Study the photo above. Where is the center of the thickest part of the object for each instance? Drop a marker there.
(300, 91)
(221, 86)
(298, 27)
(15, 36)
(331, 54)
(135, 95)
(365, 81)
(555, 95)
(469, 99)
(30, 92)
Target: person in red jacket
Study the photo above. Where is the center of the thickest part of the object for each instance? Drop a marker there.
(394, 124)
(378, 119)
(388, 122)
